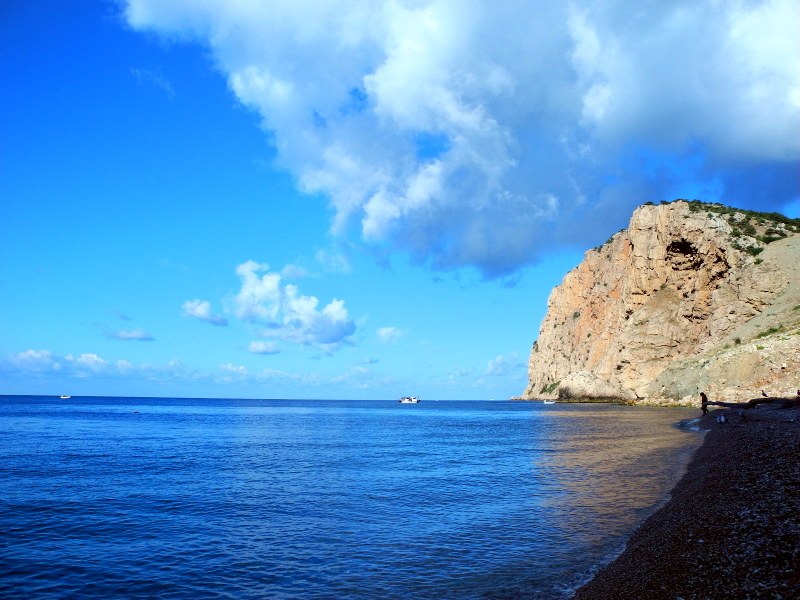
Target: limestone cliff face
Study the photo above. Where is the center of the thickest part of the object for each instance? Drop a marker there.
(689, 297)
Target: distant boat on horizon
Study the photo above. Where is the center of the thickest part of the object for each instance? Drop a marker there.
(65, 397)
(549, 402)
(409, 400)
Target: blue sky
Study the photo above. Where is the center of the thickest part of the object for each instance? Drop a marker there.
(353, 200)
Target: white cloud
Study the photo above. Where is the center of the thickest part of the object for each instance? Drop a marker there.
(138, 335)
(45, 364)
(237, 369)
(259, 347)
(294, 272)
(201, 309)
(736, 85)
(35, 360)
(470, 132)
(286, 314)
(230, 373)
(389, 335)
(44, 361)
(124, 366)
(460, 374)
(150, 77)
(58, 371)
(259, 296)
(504, 365)
(335, 262)
(90, 361)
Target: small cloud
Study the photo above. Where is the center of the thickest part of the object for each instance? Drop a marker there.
(504, 365)
(230, 373)
(460, 374)
(231, 368)
(259, 347)
(334, 262)
(285, 313)
(137, 335)
(90, 361)
(259, 297)
(124, 366)
(201, 309)
(149, 77)
(35, 360)
(44, 363)
(389, 335)
(294, 272)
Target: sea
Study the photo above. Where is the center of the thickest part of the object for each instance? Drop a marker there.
(210, 498)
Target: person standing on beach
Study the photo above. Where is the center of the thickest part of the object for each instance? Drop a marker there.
(704, 402)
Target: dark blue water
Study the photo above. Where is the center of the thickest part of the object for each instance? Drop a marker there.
(169, 498)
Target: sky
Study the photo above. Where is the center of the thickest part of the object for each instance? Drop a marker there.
(358, 200)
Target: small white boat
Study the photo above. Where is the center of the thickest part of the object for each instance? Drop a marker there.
(549, 402)
(65, 397)
(409, 400)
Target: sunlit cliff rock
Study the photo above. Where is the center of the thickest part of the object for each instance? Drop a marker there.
(690, 297)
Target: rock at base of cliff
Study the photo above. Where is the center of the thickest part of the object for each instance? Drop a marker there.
(587, 386)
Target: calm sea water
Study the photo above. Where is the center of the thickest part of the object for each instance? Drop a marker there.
(175, 498)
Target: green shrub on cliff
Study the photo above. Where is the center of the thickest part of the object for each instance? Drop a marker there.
(769, 332)
(548, 389)
(762, 217)
(768, 239)
(748, 229)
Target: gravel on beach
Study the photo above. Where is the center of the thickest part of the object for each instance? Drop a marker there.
(732, 526)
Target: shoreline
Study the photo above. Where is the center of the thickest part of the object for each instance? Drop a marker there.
(731, 527)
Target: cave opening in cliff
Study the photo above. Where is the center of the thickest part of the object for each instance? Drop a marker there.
(682, 255)
(681, 247)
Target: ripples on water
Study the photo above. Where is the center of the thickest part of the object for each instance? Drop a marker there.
(175, 498)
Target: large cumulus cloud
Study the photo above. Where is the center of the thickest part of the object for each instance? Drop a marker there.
(470, 132)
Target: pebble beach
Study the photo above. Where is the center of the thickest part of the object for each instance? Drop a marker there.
(731, 528)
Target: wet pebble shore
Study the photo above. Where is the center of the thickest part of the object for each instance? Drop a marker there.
(732, 526)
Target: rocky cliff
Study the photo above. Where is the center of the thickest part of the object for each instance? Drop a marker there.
(690, 297)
